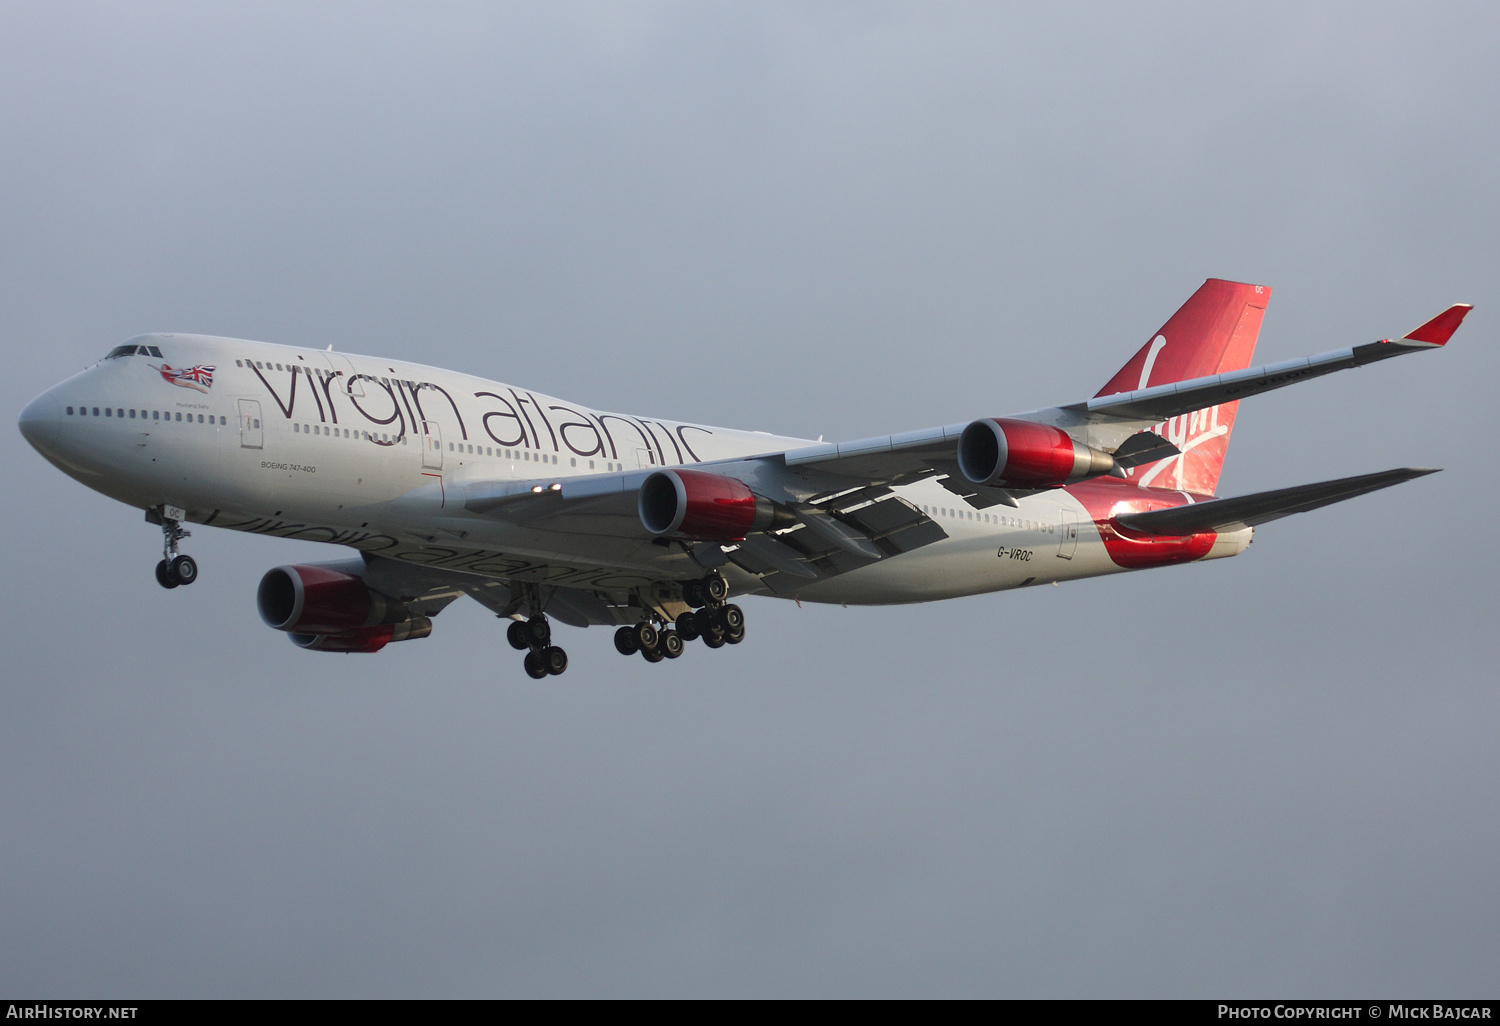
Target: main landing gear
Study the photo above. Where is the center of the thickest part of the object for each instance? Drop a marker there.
(174, 568)
(534, 637)
(718, 623)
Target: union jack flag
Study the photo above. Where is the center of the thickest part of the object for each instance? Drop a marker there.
(200, 377)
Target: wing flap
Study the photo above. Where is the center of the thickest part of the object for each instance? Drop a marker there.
(1262, 507)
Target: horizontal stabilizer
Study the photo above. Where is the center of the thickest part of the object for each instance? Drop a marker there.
(1262, 507)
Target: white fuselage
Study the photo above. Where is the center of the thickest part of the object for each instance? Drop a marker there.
(376, 454)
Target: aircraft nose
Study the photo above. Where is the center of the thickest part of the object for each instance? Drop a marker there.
(40, 422)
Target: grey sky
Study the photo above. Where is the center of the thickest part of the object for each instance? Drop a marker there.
(1268, 775)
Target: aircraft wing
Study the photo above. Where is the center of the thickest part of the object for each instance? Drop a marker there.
(1171, 400)
(1262, 507)
(1112, 422)
(827, 524)
(838, 510)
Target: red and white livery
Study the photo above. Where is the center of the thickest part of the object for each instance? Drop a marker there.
(447, 485)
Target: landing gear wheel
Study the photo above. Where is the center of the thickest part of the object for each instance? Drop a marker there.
(733, 619)
(716, 587)
(517, 636)
(687, 626)
(535, 669)
(670, 644)
(653, 655)
(184, 569)
(164, 575)
(713, 639)
(539, 630)
(645, 636)
(692, 594)
(626, 642)
(555, 660)
(734, 637)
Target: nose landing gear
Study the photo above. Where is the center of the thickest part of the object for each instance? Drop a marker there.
(175, 568)
(534, 637)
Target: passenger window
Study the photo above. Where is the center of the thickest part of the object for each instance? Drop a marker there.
(132, 415)
(108, 412)
(70, 411)
(179, 416)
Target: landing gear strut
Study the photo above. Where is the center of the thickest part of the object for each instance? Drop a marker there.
(175, 568)
(534, 637)
(716, 622)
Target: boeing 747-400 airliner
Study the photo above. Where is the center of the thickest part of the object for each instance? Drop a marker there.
(447, 485)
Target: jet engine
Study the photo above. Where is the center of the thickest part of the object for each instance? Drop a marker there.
(1021, 454)
(331, 610)
(702, 506)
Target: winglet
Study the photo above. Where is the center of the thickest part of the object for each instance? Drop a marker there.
(1440, 329)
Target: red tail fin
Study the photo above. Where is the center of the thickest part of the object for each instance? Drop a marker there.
(1214, 332)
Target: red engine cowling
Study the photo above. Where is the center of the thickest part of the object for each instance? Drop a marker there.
(366, 639)
(313, 600)
(1023, 454)
(698, 505)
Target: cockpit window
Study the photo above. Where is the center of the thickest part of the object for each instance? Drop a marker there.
(119, 351)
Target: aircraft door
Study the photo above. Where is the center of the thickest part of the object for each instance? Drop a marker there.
(250, 431)
(645, 458)
(1068, 543)
(432, 445)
